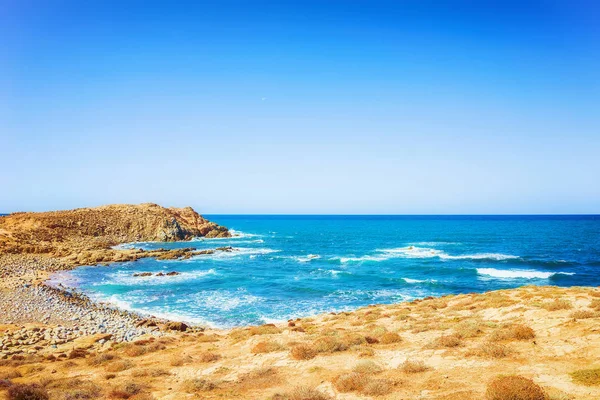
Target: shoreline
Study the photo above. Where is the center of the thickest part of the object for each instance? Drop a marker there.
(66, 307)
(408, 345)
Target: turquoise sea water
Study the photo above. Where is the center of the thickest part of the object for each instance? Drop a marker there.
(291, 266)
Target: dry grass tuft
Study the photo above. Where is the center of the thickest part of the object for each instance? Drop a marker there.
(198, 385)
(81, 390)
(11, 374)
(583, 314)
(202, 338)
(390, 337)
(267, 329)
(557, 304)
(329, 344)
(303, 352)
(514, 387)
(179, 360)
(18, 391)
(413, 367)
(208, 356)
(367, 367)
(352, 339)
(267, 347)
(302, 393)
(101, 359)
(118, 366)
(377, 387)
(468, 329)
(78, 353)
(587, 377)
(447, 341)
(351, 382)
(513, 332)
(126, 391)
(491, 350)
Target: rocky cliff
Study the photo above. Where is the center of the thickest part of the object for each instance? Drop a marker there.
(62, 233)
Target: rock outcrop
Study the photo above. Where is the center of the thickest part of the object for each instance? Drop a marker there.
(90, 233)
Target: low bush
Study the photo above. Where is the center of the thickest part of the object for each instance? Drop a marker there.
(118, 366)
(102, 359)
(514, 387)
(81, 390)
(367, 367)
(267, 329)
(198, 385)
(267, 347)
(557, 304)
(329, 344)
(303, 352)
(126, 391)
(351, 382)
(377, 387)
(390, 337)
(583, 314)
(413, 367)
(207, 357)
(78, 353)
(447, 341)
(587, 377)
(18, 391)
(491, 350)
(302, 393)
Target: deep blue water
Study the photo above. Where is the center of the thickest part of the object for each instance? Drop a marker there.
(290, 266)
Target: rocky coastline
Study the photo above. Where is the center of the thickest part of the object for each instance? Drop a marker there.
(36, 317)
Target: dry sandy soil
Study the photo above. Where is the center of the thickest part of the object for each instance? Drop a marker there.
(443, 348)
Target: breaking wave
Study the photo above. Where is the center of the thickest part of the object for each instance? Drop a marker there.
(518, 274)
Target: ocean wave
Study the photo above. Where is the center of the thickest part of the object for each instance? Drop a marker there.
(127, 303)
(222, 300)
(436, 243)
(330, 272)
(345, 260)
(409, 280)
(304, 259)
(518, 274)
(426, 252)
(423, 252)
(370, 295)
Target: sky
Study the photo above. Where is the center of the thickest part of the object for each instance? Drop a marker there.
(334, 107)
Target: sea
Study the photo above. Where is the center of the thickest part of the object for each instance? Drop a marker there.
(289, 266)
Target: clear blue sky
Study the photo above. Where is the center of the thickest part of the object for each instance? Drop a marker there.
(302, 106)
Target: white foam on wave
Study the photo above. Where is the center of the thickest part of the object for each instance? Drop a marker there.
(332, 272)
(345, 260)
(518, 274)
(423, 252)
(237, 252)
(222, 300)
(127, 305)
(409, 280)
(436, 244)
(308, 258)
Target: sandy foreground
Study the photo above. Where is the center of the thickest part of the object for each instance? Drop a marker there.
(437, 348)
(531, 343)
